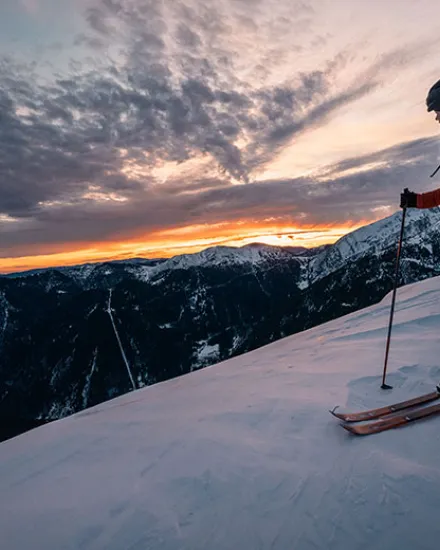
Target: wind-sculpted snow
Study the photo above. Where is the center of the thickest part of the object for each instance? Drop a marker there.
(244, 454)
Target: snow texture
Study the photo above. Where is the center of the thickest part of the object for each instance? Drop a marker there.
(244, 454)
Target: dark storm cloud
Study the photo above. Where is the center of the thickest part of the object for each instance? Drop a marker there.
(379, 179)
(338, 199)
(187, 38)
(55, 142)
(97, 22)
(58, 140)
(171, 92)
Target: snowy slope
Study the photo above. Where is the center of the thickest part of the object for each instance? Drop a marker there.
(244, 454)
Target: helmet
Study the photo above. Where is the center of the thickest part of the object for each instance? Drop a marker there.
(433, 99)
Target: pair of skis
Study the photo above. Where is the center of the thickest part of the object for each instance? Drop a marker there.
(391, 416)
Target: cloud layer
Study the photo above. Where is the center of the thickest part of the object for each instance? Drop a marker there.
(164, 84)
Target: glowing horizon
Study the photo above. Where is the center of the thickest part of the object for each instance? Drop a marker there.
(136, 127)
(307, 237)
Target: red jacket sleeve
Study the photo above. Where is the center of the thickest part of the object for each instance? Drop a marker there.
(428, 200)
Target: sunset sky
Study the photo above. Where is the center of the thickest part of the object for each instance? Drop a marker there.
(156, 127)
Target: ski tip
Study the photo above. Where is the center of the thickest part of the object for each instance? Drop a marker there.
(352, 429)
(334, 413)
(341, 416)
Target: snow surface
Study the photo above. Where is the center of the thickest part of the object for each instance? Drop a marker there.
(244, 454)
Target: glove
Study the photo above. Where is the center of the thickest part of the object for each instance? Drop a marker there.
(408, 199)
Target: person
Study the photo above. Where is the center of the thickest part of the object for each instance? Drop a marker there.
(433, 100)
(409, 199)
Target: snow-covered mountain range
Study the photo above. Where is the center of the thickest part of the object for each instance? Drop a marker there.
(76, 336)
(245, 454)
(422, 230)
(421, 234)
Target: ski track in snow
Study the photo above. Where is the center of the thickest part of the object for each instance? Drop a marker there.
(244, 454)
(86, 389)
(124, 357)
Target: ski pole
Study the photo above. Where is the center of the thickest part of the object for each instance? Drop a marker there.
(393, 301)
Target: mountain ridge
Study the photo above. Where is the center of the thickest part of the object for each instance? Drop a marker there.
(67, 336)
